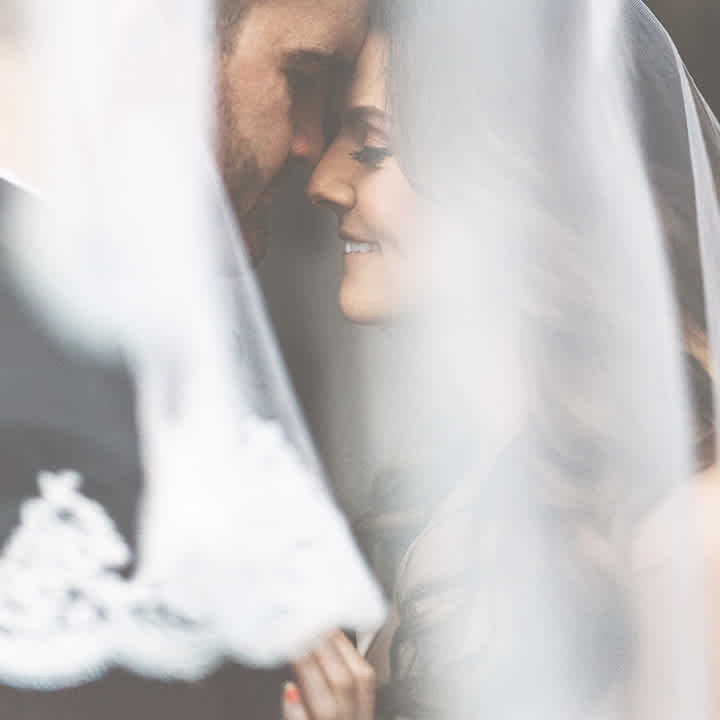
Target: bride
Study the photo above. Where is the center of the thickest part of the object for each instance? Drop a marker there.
(523, 208)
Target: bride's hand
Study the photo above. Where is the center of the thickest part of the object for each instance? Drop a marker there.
(334, 682)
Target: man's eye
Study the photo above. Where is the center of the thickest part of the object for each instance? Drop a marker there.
(300, 83)
(371, 156)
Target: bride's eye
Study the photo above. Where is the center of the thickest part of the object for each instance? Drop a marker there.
(371, 156)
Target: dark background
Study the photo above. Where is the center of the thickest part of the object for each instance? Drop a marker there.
(695, 27)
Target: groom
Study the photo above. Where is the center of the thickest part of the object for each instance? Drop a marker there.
(277, 64)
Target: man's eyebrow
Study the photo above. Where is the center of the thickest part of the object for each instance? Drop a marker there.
(318, 60)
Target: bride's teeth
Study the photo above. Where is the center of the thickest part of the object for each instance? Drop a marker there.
(358, 247)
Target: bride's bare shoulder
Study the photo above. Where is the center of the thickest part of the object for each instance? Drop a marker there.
(706, 494)
(687, 519)
(682, 528)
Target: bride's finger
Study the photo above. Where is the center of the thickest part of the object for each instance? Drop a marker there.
(363, 674)
(339, 677)
(292, 704)
(318, 697)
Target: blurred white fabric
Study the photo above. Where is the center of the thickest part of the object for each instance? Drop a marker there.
(242, 553)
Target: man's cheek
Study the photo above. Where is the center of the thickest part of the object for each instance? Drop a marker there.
(284, 123)
(274, 128)
(277, 155)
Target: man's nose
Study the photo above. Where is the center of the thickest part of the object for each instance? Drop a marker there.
(308, 141)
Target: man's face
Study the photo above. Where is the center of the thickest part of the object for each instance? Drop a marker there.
(277, 70)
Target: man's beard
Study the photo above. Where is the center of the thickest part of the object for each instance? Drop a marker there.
(243, 180)
(255, 233)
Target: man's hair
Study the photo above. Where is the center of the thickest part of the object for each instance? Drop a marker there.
(229, 14)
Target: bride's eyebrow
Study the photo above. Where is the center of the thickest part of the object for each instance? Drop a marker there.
(359, 114)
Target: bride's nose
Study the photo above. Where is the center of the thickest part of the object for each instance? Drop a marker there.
(328, 187)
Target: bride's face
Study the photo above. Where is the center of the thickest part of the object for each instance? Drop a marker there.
(361, 181)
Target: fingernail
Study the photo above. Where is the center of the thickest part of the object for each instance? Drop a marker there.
(291, 693)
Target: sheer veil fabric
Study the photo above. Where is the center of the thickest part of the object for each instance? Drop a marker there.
(558, 570)
(241, 553)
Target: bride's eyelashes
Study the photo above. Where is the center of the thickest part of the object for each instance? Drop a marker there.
(371, 156)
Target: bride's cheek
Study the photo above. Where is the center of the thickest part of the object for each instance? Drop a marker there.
(390, 209)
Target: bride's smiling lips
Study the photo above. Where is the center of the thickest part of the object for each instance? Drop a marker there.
(354, 245)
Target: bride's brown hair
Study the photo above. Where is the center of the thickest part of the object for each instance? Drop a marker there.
(676, 205)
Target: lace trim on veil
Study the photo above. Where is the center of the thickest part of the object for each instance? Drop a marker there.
(66, 611)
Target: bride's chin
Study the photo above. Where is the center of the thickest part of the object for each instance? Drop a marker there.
(363, 306)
